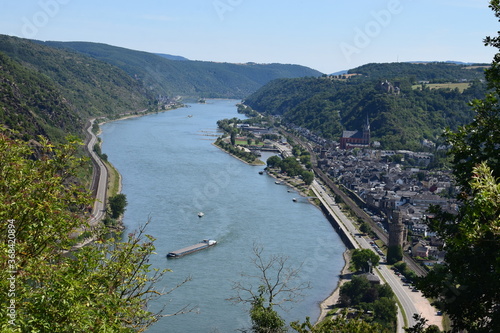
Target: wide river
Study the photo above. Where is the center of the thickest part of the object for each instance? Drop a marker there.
(171, 171)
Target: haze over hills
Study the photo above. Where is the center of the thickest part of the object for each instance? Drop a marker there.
(50, 88)
(188, 78)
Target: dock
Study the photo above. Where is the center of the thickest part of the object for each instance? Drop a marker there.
(206, 243)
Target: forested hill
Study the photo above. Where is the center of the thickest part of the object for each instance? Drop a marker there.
(52, 88)
(52, 92)
(401, 113)
(32, 105)
(434, 72)
(188, 78)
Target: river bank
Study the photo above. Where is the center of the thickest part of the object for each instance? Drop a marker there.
(171, 172)
(329, 303)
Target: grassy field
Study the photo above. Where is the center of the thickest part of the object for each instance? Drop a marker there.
(245, 142)
(460, 86)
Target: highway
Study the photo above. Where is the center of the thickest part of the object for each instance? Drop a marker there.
(99, 179)
(386, 275)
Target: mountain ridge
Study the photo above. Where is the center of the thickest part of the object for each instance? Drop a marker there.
(191, 78)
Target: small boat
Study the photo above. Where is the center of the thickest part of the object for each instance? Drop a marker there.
(201, 214)
(261, 172)
(294, 199)
(277, 183)
(205, 244)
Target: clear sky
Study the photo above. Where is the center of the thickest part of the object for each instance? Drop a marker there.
(327, 35)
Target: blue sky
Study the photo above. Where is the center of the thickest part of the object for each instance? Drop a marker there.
(327, 35)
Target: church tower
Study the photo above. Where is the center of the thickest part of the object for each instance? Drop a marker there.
(366, 132)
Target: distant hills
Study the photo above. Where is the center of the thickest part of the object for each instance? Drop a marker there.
(405, 103)
(51, 88)
(188, 78)
(172, 57)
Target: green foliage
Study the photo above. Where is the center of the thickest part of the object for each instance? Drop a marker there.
(365, 228)
(291, 167)
(235, 151)
(31, 105)
(402, 121)
(420, 326)
(363, 259)
(437, 72)
(101, 288)
(341, 324)
(188, 78)
(117, 205)
(379, 299)
(465, 287)
(90, 87)
(359, 290)
(264, 318)
(273, 161)
(394, 254)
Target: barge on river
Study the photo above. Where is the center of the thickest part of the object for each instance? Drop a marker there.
(206, 243)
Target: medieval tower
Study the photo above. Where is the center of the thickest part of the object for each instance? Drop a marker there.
(396, 238)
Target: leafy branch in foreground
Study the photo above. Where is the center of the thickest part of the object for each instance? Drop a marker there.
(105, 287)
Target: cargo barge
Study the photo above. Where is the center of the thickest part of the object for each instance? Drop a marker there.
(206, 243)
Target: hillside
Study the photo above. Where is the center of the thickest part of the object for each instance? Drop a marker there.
(400, 115)
(170, 77)
(91, 87)
(32, 105)
(434, 72)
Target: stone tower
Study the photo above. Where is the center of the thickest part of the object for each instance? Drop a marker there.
(396, 229)
(396, 238)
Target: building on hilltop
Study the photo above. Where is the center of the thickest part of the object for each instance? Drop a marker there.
(356, 139)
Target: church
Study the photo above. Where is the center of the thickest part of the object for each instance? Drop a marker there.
(356, 139)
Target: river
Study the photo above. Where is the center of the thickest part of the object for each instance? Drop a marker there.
(171, 171)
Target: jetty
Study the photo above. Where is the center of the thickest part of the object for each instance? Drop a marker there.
(206, 243)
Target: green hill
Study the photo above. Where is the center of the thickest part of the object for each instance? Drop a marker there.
(31, 104)
(188, 78)
(91, 87)
(434, 72)
(400, 115)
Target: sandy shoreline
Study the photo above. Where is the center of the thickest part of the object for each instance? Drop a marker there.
(331, 300)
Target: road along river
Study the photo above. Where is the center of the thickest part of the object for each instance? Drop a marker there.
(171, 171)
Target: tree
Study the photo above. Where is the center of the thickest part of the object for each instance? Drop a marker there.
(265, 319)
(394, 254)
(352, 292)
(307, 177)
(364, 259)
(466, 287)
(420, 324)
(339, 325)
(365, 228)
(99, 288)
(278, 283)
(273, 161)
(117, 205)
(233, 137)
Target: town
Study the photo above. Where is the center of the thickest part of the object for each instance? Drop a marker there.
(384, 183)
